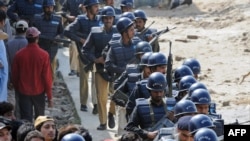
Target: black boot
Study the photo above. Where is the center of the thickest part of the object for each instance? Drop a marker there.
(95, 110)
(111, 120)
(102, 127)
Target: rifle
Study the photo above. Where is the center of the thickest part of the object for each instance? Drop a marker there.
(158, 34)
(65, 41)
(162, 123)
(169, 71)
(119, 97)
(145, 29)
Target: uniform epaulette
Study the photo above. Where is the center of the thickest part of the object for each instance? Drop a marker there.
(96, 29)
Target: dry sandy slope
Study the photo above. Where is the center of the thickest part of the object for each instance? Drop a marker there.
(222, 47)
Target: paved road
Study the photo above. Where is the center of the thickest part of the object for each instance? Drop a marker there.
(88, 120)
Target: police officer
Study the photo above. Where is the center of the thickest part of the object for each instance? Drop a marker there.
(183, 108)
(121, 52)
(202, 101)
(194, 65)
(180, 72)
(126, 82)
(183, 86)
(118, 11)
(151, 110)
(70, 10)
(143, 33)
(50, 26)
(198, 122)
(127, 5)
(111, 3)
(78, 31)
(205, 134)
(157, 62)
(197, 85)
(95, 43)
(135, 72)
(24, 9)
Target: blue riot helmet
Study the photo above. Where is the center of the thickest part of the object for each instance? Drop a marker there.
(143, 47)
(182, 71)
(200, 96)
(197, 85)
(123, 24)
(193, 64)
(128, 3)
(73, 137)
(184, 107)
(108, 11)
(88, 3)
(49, 3)
(156, 82)
(140, 14)
(199, 121)
(144, 58)
(156, 59)
(129, 15)
(205, 134)
(186, 82)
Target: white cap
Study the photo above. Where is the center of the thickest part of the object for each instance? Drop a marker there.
(22, 24)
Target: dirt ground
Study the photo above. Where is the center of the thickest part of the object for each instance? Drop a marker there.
(222, 48)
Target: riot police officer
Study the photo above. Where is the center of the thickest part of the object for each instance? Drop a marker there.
(95, 43)
(111, 3)
(183, 108)
(180, 72)
(126, 82)
(157, 62)
(143, 33)
(127, 5)
(149, 111)
(70, 10)
(205, 134)
(134, 72)
(202, 101)
(50, 26)
(23, 9)
(197, 85)
(183, 86)
(78, 31)
(121, 52)
(194, 65)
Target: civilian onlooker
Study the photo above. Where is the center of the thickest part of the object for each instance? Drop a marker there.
(23, 130)
(46, 125)
(7, 110)
(5, 131)
(12, 46)
(3, 60)
(34, 136)
(32, 77)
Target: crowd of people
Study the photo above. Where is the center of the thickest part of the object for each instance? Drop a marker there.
(153, 101)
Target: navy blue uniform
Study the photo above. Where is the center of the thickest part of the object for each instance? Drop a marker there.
(72, 6)
(146, 114)
(23, 9)
(119, 56)
(49, 28)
